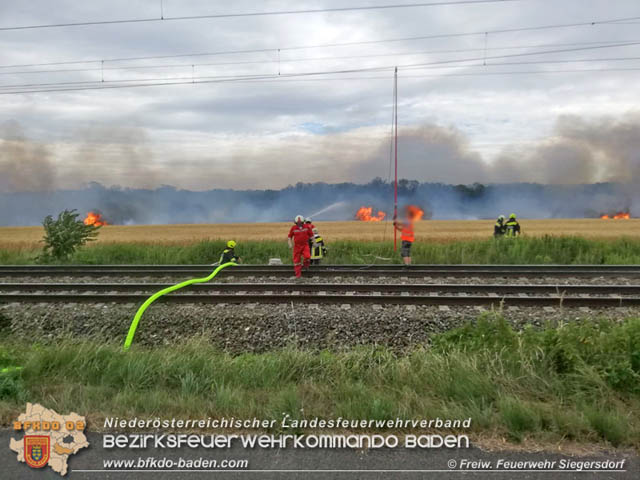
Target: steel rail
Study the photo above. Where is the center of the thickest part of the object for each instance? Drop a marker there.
(556, 300)
(328, 271)
(441, 266)
(415, 288)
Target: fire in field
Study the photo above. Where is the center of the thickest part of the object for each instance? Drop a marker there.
(95, 219)
(616, 216)
(414, 213)
(365, 214)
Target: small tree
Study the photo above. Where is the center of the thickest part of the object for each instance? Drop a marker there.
(62, 237)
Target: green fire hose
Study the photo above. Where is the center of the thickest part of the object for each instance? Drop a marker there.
(155, 296)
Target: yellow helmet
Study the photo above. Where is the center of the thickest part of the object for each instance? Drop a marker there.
(231, 244)
(513, 215)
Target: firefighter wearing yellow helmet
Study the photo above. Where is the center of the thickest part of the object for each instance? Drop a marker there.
(512, 227)
(318, 250)
(229, 254)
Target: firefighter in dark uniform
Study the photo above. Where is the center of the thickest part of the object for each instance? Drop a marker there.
(229, 254)
(499, 228)
(512, 227)
(318, 250)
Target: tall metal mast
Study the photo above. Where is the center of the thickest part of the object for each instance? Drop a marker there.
(395, 144)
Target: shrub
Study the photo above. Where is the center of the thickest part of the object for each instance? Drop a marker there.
(63, 236)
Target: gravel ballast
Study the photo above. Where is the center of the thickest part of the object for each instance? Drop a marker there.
(258, 328)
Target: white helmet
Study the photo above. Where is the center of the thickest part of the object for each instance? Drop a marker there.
(308, 220)
(298, 219)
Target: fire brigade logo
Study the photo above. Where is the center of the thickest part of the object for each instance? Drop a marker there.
(36, 450)
(49, 439)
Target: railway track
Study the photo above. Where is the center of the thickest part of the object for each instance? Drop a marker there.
(330, 293)
(479, 294)
(413, 271)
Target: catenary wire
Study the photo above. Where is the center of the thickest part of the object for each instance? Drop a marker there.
(328, 45)
(308, 59)
(438, 75)
(163, 18)
(524, 54)
(295, 77)
(429, 67)
(419, 65)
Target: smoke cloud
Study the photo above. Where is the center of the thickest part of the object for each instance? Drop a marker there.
(585, 168)
(325, 201)
(24, 165)
(579, 151)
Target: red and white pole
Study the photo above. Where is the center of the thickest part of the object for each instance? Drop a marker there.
(395, 143)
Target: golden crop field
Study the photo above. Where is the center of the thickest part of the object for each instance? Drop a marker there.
(428, 230)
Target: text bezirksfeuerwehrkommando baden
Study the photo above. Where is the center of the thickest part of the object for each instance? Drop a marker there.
(354, 441)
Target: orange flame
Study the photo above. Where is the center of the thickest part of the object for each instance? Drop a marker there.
(617, 216)
(95, 219)
(366, 215)
(414, 213)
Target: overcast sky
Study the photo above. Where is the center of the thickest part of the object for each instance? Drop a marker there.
(458, 123)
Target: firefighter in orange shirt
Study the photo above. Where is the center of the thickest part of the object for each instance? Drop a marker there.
(407, 237)
(298, 239)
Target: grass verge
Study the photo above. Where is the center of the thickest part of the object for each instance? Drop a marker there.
(578, 382)
(532, 250)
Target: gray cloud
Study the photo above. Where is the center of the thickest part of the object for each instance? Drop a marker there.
(545, 127)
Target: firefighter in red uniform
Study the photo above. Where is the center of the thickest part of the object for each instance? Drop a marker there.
(309, 224)
(298, 239)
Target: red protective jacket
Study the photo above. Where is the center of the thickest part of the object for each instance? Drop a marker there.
(310, 226)
(300, 235)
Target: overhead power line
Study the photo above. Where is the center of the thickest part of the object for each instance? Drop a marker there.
(455, 74)
(250, 77)
(525, 54)
(231, 78)
(330, 45)
(163, 18)
(430, 65)
(297, 78)
(442, 75)
(287, 60)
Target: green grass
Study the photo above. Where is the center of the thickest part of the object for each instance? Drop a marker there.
(578, 381)
(562, 250)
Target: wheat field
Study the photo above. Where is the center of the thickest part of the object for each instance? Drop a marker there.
(441, 231)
